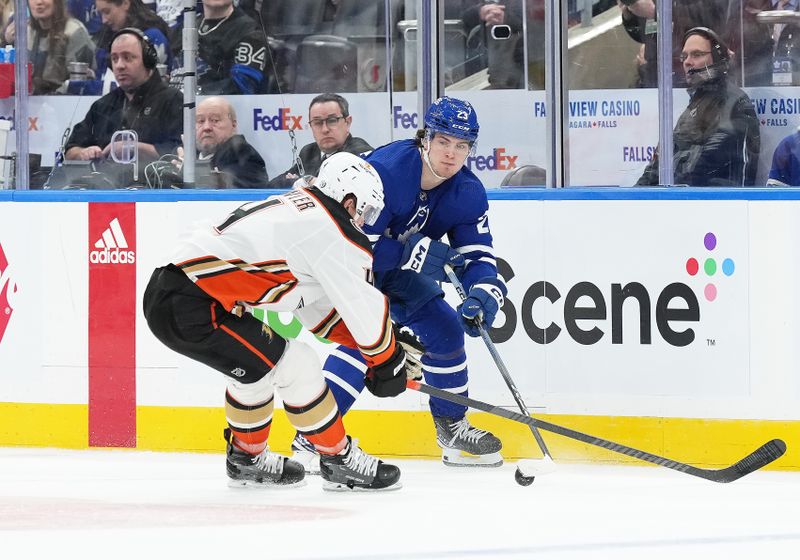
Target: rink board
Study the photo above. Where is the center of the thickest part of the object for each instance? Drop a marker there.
(609, 328)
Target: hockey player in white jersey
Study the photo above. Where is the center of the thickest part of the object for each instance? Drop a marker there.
(301, 252)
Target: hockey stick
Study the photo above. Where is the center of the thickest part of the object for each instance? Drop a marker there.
(527, 468)
(761, 457)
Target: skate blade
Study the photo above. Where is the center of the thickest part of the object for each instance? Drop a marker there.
(457, 458)
(329, 486)
(264, 485)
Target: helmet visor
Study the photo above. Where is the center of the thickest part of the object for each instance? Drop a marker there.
(370, 214)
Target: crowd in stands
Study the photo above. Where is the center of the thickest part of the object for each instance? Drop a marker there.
(250, 47)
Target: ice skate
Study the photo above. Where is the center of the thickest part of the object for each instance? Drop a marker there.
(304, 452)
(466, 446)
(357, 471)
(266, 469)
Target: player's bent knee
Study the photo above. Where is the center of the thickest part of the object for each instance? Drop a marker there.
(298, 374)
(252, 392)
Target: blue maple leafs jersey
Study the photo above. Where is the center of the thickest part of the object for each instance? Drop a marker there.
(457, 208)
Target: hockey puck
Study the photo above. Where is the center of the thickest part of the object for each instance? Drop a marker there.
(521, 479)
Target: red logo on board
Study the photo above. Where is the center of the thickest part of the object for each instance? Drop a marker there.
(8, 289)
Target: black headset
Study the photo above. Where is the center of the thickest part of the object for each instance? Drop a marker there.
(719, 50)
(149, 54)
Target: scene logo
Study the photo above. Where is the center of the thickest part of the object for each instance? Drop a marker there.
(8, 292)
(284, 120)
(587, 308)
(110, 248)
(711, 266)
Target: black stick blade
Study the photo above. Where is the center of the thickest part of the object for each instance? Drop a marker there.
(759, 458)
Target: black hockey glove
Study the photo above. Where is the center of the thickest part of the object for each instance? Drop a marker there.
(414, 351)
(389, 378)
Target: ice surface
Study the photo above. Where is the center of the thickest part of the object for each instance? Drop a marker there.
(129, 504)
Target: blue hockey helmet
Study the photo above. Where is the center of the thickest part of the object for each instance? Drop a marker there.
(454, 117)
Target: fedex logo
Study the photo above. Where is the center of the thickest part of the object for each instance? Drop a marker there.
(8, 291)
(401, 119)
(284, 120)
(498, 161)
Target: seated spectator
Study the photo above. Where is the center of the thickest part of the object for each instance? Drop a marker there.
(54, 40)
(236, 162)
(120, 14)
(231, 50)
(330, 120)
(85, 12)
(716, 140)
(142, 102)
(6, 17)
(785, 171)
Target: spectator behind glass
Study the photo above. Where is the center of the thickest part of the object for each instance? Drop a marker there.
(231, 51)
(6, 17)
(54, 40)
(85, 12)
(505, 55)
(330, 120)
(785, 171)
(235, 162)
(142, 102)
(716, 140)
(639, 21)
(118, 14)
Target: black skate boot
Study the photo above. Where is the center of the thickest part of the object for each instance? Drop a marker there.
(266, 469)
(356, 470)
(457, 437)
(304, 452)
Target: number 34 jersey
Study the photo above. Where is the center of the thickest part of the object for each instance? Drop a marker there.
(298, 252)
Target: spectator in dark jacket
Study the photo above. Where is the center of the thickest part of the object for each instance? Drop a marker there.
(639, 20)
(233, 161)
(330, 119)
(142, 103)
(716, 141)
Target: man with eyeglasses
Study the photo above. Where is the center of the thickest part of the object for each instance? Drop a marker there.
(716, 140)
(639, 21)
(233, 162)
(430, 194)
(330, 120)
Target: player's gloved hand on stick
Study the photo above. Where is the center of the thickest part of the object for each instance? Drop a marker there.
(389, 378)
(428, 256)
(414, 351)
(481, 305)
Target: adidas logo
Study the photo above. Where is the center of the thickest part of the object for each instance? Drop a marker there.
(109, 249)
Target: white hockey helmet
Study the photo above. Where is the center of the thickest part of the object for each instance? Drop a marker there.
(344, 173)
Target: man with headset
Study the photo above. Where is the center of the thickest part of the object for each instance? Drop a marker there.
(716, 139)
(142, 103)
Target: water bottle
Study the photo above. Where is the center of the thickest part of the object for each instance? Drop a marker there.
(10, 54)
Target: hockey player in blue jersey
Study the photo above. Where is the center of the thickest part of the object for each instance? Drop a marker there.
(429, 194)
